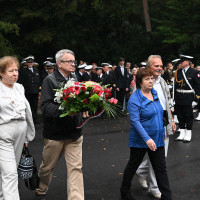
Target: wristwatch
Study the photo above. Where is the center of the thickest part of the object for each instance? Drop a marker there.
(172, 120)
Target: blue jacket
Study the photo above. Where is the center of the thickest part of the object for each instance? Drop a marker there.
(146, 120)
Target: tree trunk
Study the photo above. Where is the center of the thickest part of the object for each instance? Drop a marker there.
(146, 16)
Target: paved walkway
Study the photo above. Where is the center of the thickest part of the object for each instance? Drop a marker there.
(105, 154)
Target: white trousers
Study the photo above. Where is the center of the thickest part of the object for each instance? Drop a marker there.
(146, 171)
(12, 137)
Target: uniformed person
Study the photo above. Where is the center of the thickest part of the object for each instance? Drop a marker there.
(81, 71)
(87, 75)
(48, 68)
(187, 88)
(99, 77)
(29, 77)
(198, 117)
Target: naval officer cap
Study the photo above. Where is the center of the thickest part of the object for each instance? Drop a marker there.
(88, 67)
(143, 64)
(48, 64)
(23, 63)
(185, 57)
(36, 64)
(49, 59)
(98, 68)
(176, 60)
(29, 59)
(82, 66)
(104, 64)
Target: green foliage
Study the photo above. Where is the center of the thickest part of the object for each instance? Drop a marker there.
(179, 25)
(99, 30)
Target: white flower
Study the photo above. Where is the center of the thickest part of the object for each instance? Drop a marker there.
(70, 83)
(61, 108)
(58, 96)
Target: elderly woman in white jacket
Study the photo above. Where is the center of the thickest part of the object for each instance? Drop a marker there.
(16, 127)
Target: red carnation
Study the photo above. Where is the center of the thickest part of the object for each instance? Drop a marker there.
(77, 92)
(85, 101)
(83, 88)
(71, 89)
(98, 89)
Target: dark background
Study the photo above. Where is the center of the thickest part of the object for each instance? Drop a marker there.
(100, 30)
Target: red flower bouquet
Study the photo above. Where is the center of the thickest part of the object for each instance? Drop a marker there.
(89, 96)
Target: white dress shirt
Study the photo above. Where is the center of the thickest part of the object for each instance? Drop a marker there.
(122, 70)
(161, 96)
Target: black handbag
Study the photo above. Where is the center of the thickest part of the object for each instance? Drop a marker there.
(27, 170)
(33, 182)
(165, 118)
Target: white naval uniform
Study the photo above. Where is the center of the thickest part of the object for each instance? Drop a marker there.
(16, 128)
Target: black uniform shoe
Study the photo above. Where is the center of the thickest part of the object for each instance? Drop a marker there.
(40, 196)
(126, 196)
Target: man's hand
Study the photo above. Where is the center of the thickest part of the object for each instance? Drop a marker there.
(26, 144)
(117, 89)
(126, 89)
(173, 127)
(151, 144)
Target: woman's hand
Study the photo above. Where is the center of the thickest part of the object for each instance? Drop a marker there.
(151, 144)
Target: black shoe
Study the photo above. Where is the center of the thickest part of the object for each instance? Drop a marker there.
(126, 196)
(40, 196)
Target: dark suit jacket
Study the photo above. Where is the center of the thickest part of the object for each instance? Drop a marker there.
(86, 77)
(121, 81)
(98, 79)
(43, 75)
(55, 127)
(30, 80)
(79, 77)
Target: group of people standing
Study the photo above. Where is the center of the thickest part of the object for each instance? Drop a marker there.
(149, 109)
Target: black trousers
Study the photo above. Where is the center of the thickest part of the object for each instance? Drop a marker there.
(33, 101)
(120, 96)
(185, 116)
(158, 162)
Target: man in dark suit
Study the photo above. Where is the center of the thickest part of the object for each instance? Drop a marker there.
(187, 88)
(108, 77)
(99, 76)
(81, 71)
(29, 77)
(87, 75)
(122, 86)
(48, 69)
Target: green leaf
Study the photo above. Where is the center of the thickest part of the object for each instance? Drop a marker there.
(94, 97)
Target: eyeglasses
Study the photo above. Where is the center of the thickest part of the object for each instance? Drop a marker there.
(69, 61)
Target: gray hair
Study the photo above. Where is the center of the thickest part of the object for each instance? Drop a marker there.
(149, 61)
(60, 53)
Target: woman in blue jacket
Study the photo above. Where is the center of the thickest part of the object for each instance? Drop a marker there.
(146, 135)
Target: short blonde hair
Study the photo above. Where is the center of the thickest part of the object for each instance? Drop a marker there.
(7, 61)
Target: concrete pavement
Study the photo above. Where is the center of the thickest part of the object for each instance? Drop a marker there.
(105, 155)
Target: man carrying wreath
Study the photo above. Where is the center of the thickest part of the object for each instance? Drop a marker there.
(60, 134)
